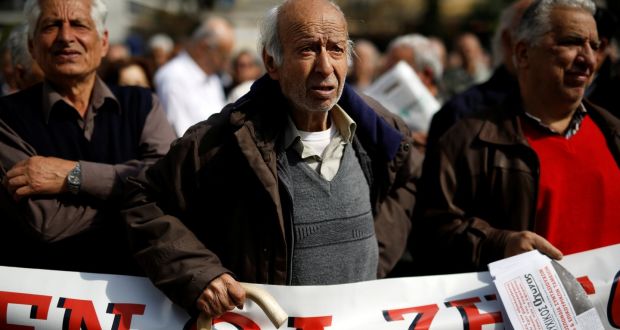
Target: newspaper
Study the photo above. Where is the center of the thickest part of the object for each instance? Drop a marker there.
(402, 92)
(538, 293)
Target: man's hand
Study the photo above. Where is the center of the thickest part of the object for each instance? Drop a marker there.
(524, 241)
(38, 176)
(221, 295)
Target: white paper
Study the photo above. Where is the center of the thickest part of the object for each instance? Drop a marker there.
(402, 92)
(534, 296)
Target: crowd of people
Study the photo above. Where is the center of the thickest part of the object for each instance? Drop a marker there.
(201, 165)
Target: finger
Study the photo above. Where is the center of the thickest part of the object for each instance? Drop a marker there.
(547, 248)
(236, 294)
(226, 302)
(203, 304)
(23, 191)
(16, 170)
(216, 303)
(206, 309)
(234, 290)
(17, 181)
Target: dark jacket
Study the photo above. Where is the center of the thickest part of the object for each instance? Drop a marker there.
(481, 183)
(477, 98)
(217, 202)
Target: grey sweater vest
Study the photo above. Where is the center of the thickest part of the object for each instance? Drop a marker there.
(334, 235)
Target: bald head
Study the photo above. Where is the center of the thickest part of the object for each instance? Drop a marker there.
(214, 30)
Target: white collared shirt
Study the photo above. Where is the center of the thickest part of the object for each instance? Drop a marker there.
(187, 94)
(325, 161)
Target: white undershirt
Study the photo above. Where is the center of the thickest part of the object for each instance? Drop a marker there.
(318, 141)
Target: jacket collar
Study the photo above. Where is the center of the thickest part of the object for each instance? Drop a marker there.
(503, 127)
(369, 124)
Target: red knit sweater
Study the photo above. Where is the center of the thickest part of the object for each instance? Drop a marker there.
(578, 205)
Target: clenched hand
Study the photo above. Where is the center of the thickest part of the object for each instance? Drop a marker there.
(221, 295)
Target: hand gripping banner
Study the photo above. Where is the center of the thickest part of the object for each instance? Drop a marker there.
(42, 299)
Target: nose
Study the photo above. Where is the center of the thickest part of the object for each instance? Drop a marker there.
(65, 33)
(587, 56)
(323, 63)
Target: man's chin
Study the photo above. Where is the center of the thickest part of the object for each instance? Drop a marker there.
(324, 108)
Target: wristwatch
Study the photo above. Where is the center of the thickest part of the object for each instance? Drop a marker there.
(74, 179)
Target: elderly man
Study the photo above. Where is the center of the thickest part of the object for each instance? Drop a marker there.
(539, 172)
(365, 64)
(188, 85)
(419, 52)
(299, 182)
(68, 143)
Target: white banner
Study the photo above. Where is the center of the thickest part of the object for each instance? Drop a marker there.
(42, 299)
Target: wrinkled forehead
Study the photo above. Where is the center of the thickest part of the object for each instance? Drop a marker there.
(65, 8)
(312, 17)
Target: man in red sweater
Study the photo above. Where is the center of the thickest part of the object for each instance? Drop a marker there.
(538, 172)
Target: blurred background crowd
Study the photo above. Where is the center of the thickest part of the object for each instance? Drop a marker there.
(450, 44)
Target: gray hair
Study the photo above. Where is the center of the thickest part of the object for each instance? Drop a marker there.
(18, 45)
(32, 11)
(213, 30)
(536, 23)
(426, 56)
(162, 41)
(269, 40)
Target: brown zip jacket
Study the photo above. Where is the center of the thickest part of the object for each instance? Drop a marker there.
(479, 184)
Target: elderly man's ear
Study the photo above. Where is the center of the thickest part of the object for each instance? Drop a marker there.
(270, 66)
(520, 55)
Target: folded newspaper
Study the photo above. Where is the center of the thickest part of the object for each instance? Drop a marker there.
(538, 293)
(402, 92)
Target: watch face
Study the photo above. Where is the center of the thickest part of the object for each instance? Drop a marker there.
(73, 179)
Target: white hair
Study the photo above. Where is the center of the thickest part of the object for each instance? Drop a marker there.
(162, 41)
(32, 12)
(425, 55)
(269, 40)
(536, 19)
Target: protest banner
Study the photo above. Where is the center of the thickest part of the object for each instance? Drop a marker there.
(43, 299)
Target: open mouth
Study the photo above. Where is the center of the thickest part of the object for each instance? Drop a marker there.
(323, 91)
(323, 88)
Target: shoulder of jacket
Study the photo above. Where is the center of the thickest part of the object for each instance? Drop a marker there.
(390, 118)
(212, 128)
(463, 132)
